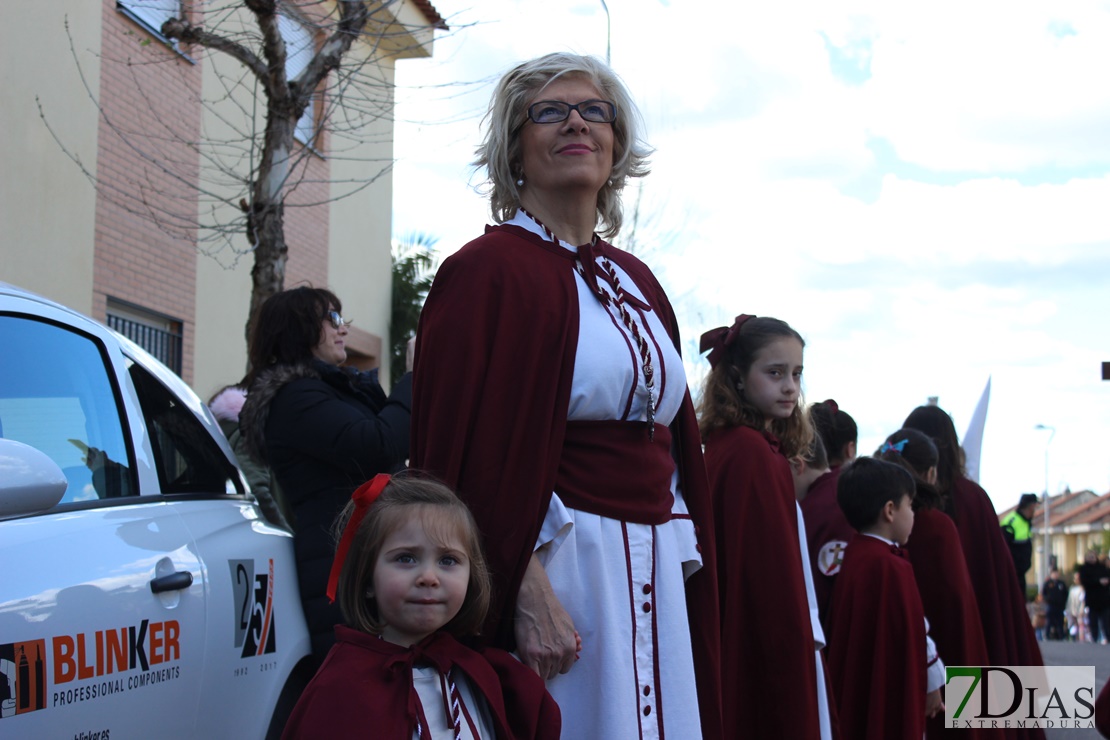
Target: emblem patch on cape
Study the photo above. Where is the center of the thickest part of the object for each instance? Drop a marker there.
(830, 556)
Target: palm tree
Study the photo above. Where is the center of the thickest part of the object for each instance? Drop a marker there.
(414, 266)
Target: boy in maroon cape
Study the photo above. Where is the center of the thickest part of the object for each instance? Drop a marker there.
(877, 642)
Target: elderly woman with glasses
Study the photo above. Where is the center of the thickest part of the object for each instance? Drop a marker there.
(323, 430)
(550, 392)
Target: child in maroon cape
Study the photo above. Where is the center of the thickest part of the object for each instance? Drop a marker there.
(1006, 626)
(752, 423)
(940, 570)
(877, 642)
(415, 579)
(827, 531)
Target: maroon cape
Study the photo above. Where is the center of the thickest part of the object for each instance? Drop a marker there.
(825, 525)
(768, 677)
(364, 689)
(949, 601)
(494, 362)
(1102, 711)
(877, 645)
(1005, 620)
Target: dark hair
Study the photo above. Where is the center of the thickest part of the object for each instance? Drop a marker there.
(936, 422)
(409, 494)
(864, 487)
(916, 452)
(287, 328)
(723, 404)
(836, 428)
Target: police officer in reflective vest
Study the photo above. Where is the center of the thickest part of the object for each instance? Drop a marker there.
(1018, 530)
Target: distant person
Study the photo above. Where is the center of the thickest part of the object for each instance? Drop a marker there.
(1055, 593)
(226, 405)
(753, 424)
(1095, 577)
(1037, 615)
(1077, 610)
(878, 660)
(323, 429)
(412, 582)
(1017, 528)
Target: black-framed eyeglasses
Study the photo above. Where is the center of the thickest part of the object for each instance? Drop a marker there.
(336, 320)
(557, 111)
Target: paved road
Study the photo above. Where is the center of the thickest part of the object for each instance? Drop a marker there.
(1078, 653)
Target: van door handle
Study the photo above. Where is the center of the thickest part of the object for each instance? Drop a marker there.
(173, 582)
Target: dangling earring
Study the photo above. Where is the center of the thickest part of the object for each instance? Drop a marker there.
(520, 180)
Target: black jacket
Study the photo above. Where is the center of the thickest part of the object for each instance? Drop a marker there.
(1055, 593)
(1095, 592)
(324, 431)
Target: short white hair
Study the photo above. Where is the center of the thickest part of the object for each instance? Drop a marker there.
(500, 151)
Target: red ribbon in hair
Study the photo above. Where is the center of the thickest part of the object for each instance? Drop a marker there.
(716, 341)
(364, 496)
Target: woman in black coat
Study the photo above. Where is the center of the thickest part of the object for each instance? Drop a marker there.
(323, 430)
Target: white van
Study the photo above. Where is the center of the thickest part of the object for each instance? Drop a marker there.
(142, 593)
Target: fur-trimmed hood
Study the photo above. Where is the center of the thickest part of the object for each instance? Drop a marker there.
(256, 409)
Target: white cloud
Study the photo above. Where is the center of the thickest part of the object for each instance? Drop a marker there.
(770, 195)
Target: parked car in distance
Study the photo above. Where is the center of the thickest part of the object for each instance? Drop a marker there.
(143, 594)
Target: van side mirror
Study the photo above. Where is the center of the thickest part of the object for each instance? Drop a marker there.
(30, 482)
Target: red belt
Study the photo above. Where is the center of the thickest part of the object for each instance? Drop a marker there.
(613, 469)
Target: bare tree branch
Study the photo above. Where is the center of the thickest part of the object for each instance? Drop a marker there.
(248, 164)
(182, 30)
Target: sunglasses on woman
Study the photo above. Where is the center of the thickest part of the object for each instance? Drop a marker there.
(336, 320)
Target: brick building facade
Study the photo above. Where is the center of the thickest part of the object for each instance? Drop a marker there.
(131, 251)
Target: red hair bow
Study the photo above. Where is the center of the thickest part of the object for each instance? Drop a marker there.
(364, 496)
(716, 341)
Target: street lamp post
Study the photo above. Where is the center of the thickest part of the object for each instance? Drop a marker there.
(1051, 433)
(608, 32)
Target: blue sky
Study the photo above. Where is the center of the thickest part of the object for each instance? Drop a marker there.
(922, 191)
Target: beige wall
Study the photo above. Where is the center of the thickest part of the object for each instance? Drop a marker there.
(47, 206)
(360, 268)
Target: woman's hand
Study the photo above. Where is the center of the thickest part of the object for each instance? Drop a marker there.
(545, 637)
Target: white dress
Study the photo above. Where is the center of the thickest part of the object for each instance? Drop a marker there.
(818, 632)
(622, 583)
